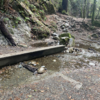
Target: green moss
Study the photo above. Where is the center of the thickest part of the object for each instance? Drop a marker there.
(53, 29)
(6, 20)
(42, 13)
(44, 7)
(67, 35)
(38, 16)
(66, 38)
(50, 8)
(64, 41)
(45, 18)
(44, 35)
(16, 20)
(64, 12)
(27, 19)
(53, 24)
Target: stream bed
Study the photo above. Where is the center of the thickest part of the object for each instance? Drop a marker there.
(15, 75)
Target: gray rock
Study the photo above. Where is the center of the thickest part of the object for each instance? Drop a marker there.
(70, 50)
(62, 26)
(71, 42)
(55, 37)
(33, 63)
(54, 34)
(69, 27)
(66, 24)
(92, 64)
(20, 66)
(65, 30)
(64, 38)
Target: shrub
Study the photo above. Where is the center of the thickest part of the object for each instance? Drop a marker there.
(97, 23)
(64, 12)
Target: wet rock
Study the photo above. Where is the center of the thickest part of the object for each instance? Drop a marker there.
(65, 30)
(64, 40)
(55, 37)
(91, 50)
(33, 63)
(66, 24)
(70, 50)
(73, 25)
(71, 42)
(77, 50)
(20, 66)
(69, 27)
(92, 64)
(54, 60)
(77, 45)
(62, 26)
(50, 43)
(54, 34)
(41, 70)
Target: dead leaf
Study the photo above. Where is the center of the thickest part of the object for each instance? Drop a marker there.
(69, 97)
(42, 91)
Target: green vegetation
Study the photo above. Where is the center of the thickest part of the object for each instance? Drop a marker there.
(64, 12)
(96, 23)
(67, 35)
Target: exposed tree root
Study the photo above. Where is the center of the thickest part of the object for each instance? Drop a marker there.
(6, 34)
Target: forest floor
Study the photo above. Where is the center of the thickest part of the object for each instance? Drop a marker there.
(69, 76)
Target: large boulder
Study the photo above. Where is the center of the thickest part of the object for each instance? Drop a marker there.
(67, 39)
(48, 7)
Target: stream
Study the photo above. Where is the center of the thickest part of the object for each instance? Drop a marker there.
(15, 75)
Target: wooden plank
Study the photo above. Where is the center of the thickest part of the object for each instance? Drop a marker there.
(13, 58)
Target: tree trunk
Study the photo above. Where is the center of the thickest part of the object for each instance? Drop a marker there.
(65, 5)
(93, 14)
(84, 11)
(6, 33)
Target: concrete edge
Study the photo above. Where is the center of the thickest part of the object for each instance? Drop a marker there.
(13, 58)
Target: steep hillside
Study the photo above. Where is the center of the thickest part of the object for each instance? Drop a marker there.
(25, 19)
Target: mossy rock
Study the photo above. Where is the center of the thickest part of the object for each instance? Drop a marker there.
(65, 39)
(49, 8)
(67, 35)
(40, 32)
(95, 36)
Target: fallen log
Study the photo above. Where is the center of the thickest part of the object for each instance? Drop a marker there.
(32, 69)
(6, 34)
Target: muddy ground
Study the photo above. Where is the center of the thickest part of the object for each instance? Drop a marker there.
(69, 76)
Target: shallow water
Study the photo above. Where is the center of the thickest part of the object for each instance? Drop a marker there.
(12, 76)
